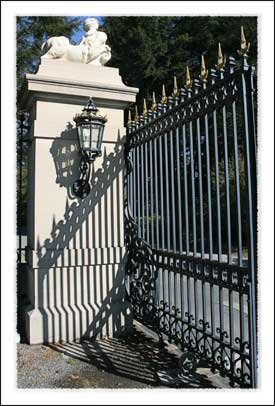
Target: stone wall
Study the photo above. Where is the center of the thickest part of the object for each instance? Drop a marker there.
(76, 253)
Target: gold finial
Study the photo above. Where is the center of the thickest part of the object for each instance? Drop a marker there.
(163, 98)
(221, 58)
(244, 45)
(188, 81)
(154, 104)
(136, 114)
(129, 117)
(144, 113)
(204, 71)
(175, 90)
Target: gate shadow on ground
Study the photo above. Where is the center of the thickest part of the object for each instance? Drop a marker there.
(135, 357)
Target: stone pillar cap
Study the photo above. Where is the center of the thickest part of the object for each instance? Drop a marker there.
(75, 82)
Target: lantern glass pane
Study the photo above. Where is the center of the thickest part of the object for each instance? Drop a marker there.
(95, 136)
(85, 138)
(100, 134)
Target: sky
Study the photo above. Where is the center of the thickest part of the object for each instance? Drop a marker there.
(78, 35)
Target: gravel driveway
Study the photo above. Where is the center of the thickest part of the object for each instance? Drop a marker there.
(135, 361)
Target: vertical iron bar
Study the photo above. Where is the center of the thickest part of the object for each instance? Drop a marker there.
(239, 220)
(221, 318)
(212, 304)
(142, 190)
(166, 166)
(172, 291)
(237, 180)
(146, 192)
(209, 208)
(134, 185)
(216, 155)
(250, 164)
(182, 295)
(172, 164)
(156, 191)
(160, 178)
(161, 186)
(129, 186)
(151, 191)
(129, 177)
(185, 191)
(227, 192)
(173, 191)
(179, 186)
(19, 208)
(197, 85)
(138, 189)
(208, 174)
(242, 328)
(186, 223)
(195, 283)
(167, 190)
(193, 194)
(189, 94)
(228, 214)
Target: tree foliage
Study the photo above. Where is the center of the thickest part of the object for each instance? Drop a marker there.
(149, 51)
(31, 32)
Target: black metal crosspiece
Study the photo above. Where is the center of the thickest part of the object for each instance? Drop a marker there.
(190, 217)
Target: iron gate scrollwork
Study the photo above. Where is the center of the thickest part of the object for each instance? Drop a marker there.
(140, 265)
(190, 219)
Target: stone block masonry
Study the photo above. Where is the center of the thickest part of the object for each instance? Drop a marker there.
(75, 248)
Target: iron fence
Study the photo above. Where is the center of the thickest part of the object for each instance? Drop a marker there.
(190, 218)
(22, 144)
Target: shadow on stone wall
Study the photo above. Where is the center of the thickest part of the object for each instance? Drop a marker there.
(77, 299)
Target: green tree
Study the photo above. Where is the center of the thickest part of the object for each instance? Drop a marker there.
(149, 51)
(31, 32)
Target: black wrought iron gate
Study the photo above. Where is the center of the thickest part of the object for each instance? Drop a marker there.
(190, 218)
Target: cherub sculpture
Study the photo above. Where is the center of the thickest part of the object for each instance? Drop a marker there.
(91, 50)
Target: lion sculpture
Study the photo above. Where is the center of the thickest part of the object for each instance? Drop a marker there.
(91, 50)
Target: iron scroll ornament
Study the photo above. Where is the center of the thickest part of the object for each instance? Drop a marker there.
(81, 187)
(140, 265)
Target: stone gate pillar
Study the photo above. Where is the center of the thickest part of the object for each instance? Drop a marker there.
(75, 248)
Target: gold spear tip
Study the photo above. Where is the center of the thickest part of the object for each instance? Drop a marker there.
(136, 114)
(144, 113)
(175, 90)
(188, 81)
(163, 98)
(154, 104)
(221, 58)
(204, 71)
(244, 45)
(129, 117)
(243, 40)
(220, 51)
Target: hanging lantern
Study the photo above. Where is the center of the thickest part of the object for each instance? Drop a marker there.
(90, 128)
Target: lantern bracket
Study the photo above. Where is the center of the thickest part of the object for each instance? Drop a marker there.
(91, 117)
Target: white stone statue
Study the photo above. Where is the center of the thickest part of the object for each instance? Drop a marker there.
(91, 50)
